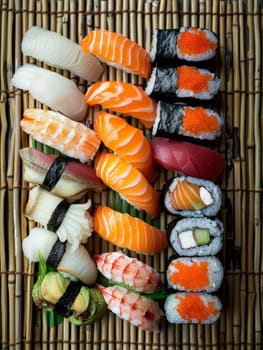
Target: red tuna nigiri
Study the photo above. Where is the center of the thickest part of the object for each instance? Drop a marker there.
(188, 158)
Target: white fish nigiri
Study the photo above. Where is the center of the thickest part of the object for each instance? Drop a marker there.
(52, 89)
(58, 51)
(75, 264)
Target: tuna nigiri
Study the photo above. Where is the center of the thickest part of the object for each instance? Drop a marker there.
(129, 182)
(123, 98)
(52, 89)
(67, 136)
(142, 312)
(119, 51)
(61, 52)
(188, 158)
(126, 141)
(62, 176)
(119, 267)
(126, 231)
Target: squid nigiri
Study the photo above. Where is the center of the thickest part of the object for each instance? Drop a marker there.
(55, 130)
(126, 231)
(60, 175)
(187, 158)
(52, 89)
(140, 311)
(75, 264)
(71, 222)
(119, 51)
(119, 267)
(58, 51)
(126, 141)
(123, 98)
(125, 179)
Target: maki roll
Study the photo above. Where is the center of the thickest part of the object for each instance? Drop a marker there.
(188, 44)
(196, 236)
(178, 119)
(198, 308)
(195, 274)
(172, 84)
(191, 197)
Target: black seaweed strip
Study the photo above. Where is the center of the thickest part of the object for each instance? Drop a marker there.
(55, 172)
(64, 303)
(56, 253)
(58, 215)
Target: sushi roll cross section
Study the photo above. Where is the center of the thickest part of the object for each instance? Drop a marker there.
(188, 196)
(196, 236)
(196, 308)
(195, 274)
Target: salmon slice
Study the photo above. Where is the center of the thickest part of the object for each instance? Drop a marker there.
(186, 196)
(123, 98)
(126, 231)
(69, 137)
(119, 51)
(124, 178)
(126, 141)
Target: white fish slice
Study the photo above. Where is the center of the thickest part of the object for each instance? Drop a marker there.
(61, 52)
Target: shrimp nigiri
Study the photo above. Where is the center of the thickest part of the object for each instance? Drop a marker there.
(55, 130)
(47, 46)
(128, 181)
(52, 89)
(127, 231)
(140, 311)
(119, 51)
(126, 141)
(119, 267)
(123, 98)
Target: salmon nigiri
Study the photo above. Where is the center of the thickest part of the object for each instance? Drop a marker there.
(123, 98)
(124, 178)
(126, 141)
(119, 51)
(126, 231)
(55, 130)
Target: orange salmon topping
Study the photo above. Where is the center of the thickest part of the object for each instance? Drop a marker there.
(189, 78)
(192, 307)
(196, 120)
(191, 277)
(194, 42)
(186, 196)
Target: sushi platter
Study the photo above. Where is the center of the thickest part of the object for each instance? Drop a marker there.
(131, 174)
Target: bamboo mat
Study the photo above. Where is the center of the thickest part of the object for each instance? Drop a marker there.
(238, 25)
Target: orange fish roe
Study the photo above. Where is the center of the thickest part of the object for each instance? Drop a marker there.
(189, 78)
(191, 277)
(186, 196)
(197, 120)
(193, 307)
(194, 42)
